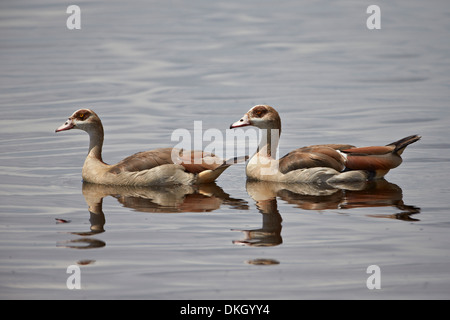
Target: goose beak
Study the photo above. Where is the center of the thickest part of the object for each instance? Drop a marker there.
(244, 121)
(66, 126)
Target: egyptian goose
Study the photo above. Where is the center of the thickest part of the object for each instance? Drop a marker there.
(330, 163)
(165, 166)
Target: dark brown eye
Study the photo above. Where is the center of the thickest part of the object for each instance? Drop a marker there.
(260, 112)
(83, 115)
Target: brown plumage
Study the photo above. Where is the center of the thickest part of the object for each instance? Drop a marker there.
(192, 161)
(313, 156)
(379, 159)
(331, 162)
(156, 167)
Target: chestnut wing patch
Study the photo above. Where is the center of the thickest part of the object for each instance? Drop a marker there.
(144, 161)
(370, 150)
(198, 161)
(192, 161)
(372, 158)
(310, 157)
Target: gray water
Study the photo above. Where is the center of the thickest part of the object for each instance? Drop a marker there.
(151, 67)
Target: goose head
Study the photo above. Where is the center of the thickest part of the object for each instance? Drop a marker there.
(260, 116)
(83, 119)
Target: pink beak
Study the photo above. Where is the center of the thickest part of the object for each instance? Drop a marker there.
(66, 126)
(245, 121)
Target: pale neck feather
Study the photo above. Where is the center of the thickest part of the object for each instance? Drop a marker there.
(268, 143)
(96, 143)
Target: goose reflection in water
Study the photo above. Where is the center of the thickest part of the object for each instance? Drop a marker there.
(173, 199)
(370, 194)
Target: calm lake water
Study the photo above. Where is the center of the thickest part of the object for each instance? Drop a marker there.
(151, 67)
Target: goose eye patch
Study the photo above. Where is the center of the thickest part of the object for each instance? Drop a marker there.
(260, 112)
(82, 115)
